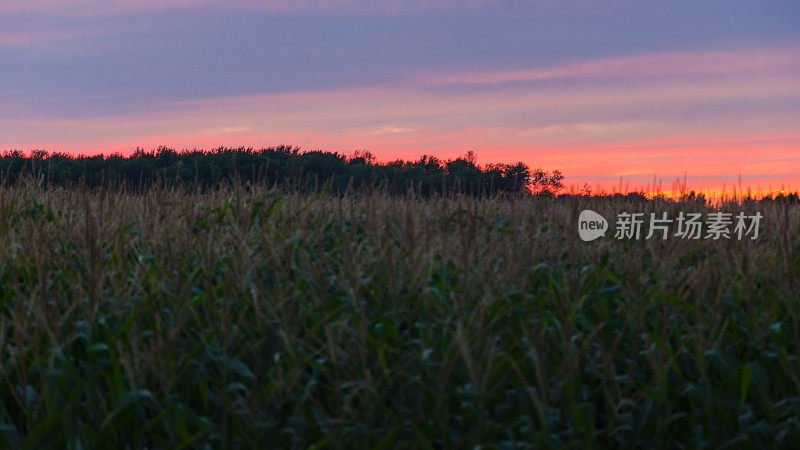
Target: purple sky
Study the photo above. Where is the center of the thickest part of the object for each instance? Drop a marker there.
(599, 89)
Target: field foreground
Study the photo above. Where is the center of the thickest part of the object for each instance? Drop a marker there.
(245, 317)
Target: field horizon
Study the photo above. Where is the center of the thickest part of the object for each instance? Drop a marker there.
(475, 224)
(250, 164)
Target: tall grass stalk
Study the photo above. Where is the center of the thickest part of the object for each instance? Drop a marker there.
(249, 317)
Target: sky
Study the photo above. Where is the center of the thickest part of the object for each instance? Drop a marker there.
(611, 92)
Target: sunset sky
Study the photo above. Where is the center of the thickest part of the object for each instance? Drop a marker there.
(598, 89)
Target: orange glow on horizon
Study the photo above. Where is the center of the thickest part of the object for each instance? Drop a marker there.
(593, 131)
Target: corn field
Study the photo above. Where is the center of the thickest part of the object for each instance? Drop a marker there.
(250, 317)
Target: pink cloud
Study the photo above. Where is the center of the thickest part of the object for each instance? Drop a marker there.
(776, 60)
(104, 7)
(27, 36)
(594, 133)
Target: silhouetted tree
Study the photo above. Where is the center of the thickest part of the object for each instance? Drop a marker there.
(282, 165)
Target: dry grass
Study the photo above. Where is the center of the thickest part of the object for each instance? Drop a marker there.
(243, 317)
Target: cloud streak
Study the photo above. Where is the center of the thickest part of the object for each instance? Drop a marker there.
(666, 65)
(596, 132)
(607, 90)
(338, 7)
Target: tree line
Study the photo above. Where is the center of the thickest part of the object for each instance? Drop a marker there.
(283, 165)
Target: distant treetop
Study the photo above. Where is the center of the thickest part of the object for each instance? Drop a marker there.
(282, 165)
